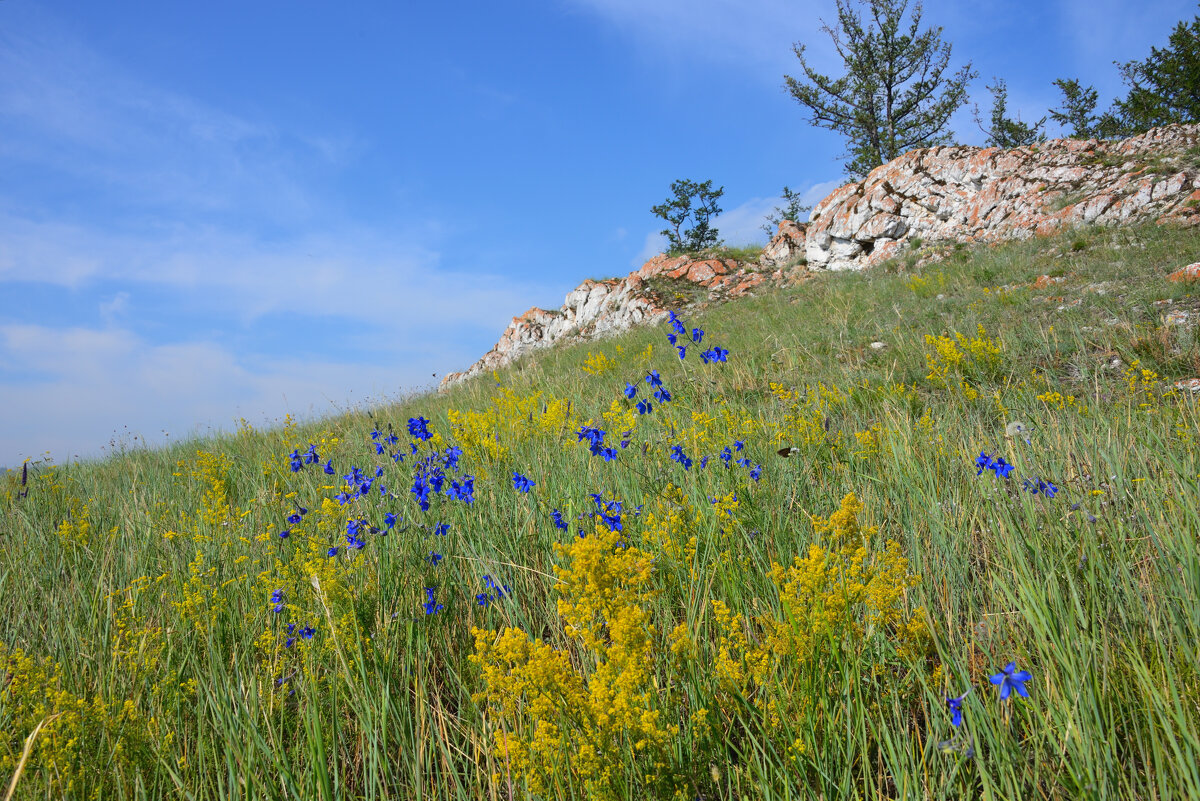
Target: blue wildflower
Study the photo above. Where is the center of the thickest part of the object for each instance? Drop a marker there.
(996, 464)
(697, 335)
(441, 529)
(955, 706)
(435, 557)
(431, 606)
(389, 520)
(1011, 679)
(1036, 485)
(310, 456)
(594, 436)
(464, 491)
(630, 390)
(329, 471)
(678, 455)
(672, 338)
(420, 490)
(296, 464)
(756, 473)
(283, 535)
(307, 632)
(653, 379)
(662, 395)
(682, 351)
(558, 520)
(332, 551)
(522, 483)
(501, 590)
(418, 428)
(644, 407)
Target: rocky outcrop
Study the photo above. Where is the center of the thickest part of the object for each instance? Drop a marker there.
(941, 194)
(970, 194)
(786, 246)
(600, 308)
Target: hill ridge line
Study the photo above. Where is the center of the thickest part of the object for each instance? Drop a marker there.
(954, 193)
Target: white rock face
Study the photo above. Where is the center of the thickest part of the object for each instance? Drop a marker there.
(970, 194)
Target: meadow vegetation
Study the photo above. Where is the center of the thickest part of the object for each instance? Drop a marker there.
(918, 532)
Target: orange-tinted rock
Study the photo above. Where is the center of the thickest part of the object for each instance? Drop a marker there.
(1044, 281)
(1186, 274)
(969, 194)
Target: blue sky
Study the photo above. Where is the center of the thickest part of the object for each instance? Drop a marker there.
(219, 210)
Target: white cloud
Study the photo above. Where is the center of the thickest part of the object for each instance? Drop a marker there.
(654, 244)
(351, 273)
(818, 192)
(110, 310)
(93, 384)
(744, 33)
(73, 112)
(1101, 31)
(743, 225)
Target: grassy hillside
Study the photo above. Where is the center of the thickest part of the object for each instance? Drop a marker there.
(713, 620)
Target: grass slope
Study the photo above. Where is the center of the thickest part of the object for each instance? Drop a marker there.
(718, 630)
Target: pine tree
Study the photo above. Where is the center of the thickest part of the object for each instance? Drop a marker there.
(1165, 88)
(1005, 132)
(896, 93)
(1077, 112)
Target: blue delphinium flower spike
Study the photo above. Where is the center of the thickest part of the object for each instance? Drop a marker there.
(955, 707)
(432, 607)
(1011, 679)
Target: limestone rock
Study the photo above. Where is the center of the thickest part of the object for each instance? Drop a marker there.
(786, 246)
(970, 194)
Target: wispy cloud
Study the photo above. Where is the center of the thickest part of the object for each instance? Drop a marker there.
(156, 391)
(77, 115)
(742, 33)
(214, 271)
